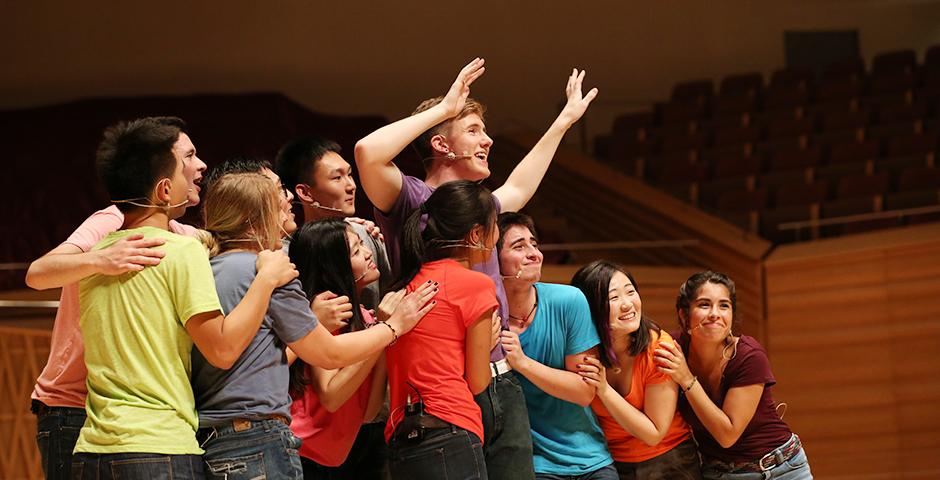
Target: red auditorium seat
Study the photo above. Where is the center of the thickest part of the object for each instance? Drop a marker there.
(630, 123)
(770, 221)
(681, 111)
(694, 91)
(894, 61)
(845, 120)
(683, 141)
(891, 82)
(801, 194)
(727, 137)
(789, 127)
(749, 83)
(932, 58)
(862, 185)
(742, 207)
(912, 144)
(783, 160)
(903, 112)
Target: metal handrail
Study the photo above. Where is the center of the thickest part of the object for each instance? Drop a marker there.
(899, 213)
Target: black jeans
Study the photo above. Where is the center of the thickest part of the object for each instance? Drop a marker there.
(603, 473)
(452, 453)
(680, 463)
(508, 440)
(57, 431)
(136, 466)
(366, 460)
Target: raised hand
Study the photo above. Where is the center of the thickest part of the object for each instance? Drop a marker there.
(332, 311)
(130, 254)
(670, 360)
(456, 97)
(593, 372)
(413, 308)
(275, 266)
(577, 102)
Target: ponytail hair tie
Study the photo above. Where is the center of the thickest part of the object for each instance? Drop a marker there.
(423, 208)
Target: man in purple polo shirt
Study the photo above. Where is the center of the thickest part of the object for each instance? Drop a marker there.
(450, 135)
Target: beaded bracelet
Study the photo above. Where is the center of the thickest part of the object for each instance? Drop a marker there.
(691, 384)
(390, 327)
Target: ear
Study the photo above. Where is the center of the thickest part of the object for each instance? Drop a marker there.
(304, 192)
(161, 191)
(439, 145)
(475, 236)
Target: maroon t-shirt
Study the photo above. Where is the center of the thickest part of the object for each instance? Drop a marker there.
(766, 431)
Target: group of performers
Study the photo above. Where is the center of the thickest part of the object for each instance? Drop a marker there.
(420, 346)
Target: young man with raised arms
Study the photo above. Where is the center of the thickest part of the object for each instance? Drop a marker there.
(451, 136)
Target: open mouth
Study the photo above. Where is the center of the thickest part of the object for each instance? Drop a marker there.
(627, 317)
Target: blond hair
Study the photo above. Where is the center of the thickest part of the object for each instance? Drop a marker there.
(423, 142)
(241, 210)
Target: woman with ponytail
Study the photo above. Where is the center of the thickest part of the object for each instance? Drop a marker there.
(244, 410)
(435, 429)
(329, 406)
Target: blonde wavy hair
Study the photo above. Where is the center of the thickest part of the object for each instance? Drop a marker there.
(241, 210)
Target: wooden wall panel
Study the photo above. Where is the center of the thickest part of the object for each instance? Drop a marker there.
(854, 330)
(23, 353)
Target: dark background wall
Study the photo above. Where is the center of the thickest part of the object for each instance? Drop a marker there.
(357, 57)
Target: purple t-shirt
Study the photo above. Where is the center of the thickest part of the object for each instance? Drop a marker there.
(766, 431)
(413, 193)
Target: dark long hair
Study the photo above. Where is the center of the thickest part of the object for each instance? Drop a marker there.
(689, 290)
(320, 250)
(593, 280)
(452, 211)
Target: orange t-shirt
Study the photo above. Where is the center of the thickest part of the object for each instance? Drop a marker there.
(623, 446)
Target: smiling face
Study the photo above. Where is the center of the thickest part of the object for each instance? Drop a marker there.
(467, 138)
(710, 312)
(333, 185)
(288, 224)
(520, 257)
(360, 259)
(192, 167)
(625, 305)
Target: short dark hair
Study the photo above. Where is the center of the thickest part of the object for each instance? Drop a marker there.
(689, 290)
(593, 280)
(507, 220)
(241, 164)
(320, 250)
(134, 155)
(297, 159)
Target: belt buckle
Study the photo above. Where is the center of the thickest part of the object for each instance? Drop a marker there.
(773, 461)
(241, 424)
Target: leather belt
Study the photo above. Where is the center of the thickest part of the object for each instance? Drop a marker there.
(769, 461)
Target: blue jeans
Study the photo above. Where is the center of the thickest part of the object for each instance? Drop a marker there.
(603, 473)
(136, 466)
(794, 468)
(251, 449)
(507, 438)
(56, 433)
(452, 453)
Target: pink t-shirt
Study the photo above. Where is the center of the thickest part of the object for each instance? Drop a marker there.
(328, 437)
(62, 381)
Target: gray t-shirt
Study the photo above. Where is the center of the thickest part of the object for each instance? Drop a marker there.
(257, 383)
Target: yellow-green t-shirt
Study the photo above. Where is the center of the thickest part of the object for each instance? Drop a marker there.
(137, 350)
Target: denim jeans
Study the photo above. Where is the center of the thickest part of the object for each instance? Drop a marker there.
(366, 460)
(795, 468)
(264, 449)
(136, 466)
(452, 453)
(56, 433)
(680, 463)
(507, 443)
(603, 473)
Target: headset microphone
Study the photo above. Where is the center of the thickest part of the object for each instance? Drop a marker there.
(454, 156)
(516, 276)
(316, 204)
(360, 277)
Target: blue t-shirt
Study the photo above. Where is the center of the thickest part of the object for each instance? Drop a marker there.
(566, 437)
(257, 383)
